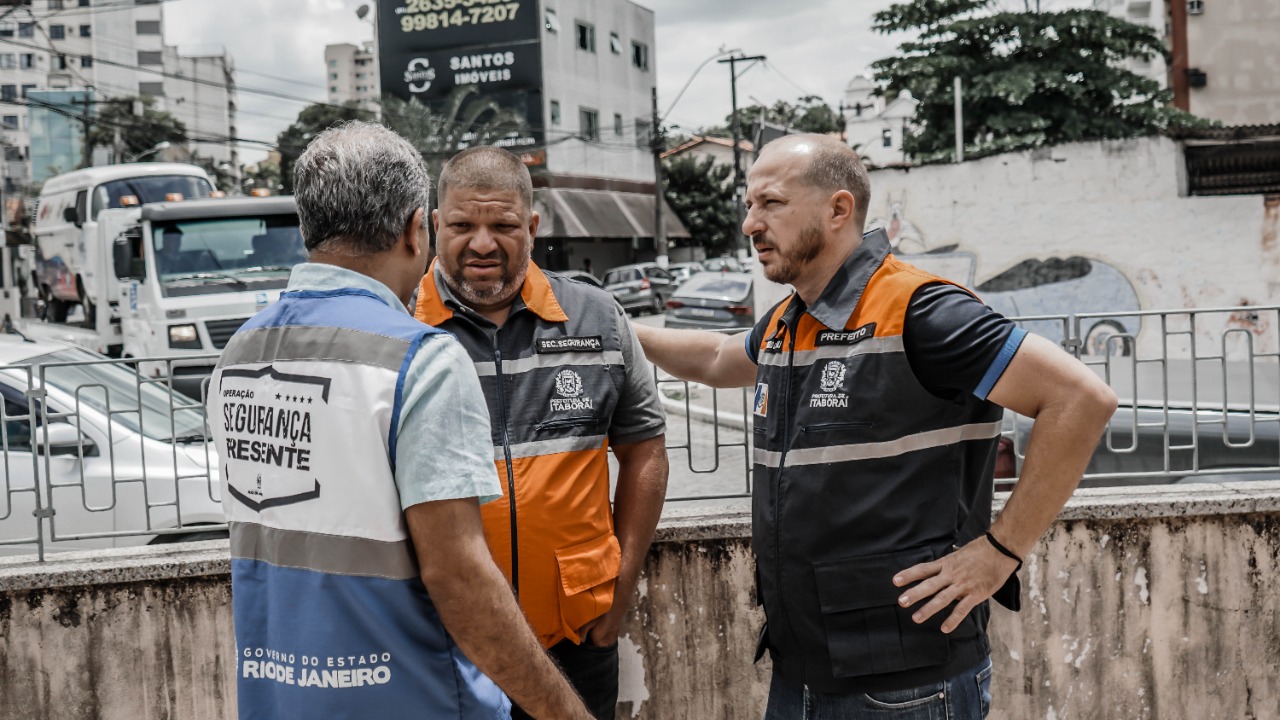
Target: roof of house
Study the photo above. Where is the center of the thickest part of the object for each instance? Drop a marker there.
(696, 140)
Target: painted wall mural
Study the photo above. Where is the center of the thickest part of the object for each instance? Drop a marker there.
(1035, 287)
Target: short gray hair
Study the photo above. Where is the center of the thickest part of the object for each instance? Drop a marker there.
(357, 186)
(485, 167)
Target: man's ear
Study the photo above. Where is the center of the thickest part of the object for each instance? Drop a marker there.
(534, 219)
(435, 220)
(843, 207)
(415, 235)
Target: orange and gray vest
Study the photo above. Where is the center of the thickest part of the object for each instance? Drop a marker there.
(552, 382)
(860, 472)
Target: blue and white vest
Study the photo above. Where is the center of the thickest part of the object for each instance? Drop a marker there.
(331, 617)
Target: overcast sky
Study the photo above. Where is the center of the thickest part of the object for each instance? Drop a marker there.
(813, 47)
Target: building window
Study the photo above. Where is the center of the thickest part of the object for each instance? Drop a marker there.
(8, 61)
(555, 112)
(86, 61)
(12, 154)
(26, 89)
(7, 29)
(333, 63)
(333, 76)
(617, 124)
(361, 76)
(55, 4)
(28, 29)
(886, 137)
(640, 55)
(333, 88)
(84, 3)
(56, 32)
(59, 62)
(615, 44)
(642, 133)
(26, 61)
(8, 92)
(10, 122)
(151, 89)
(550, 21)
(589, 124)
(147, 27)
(150, 57)
(586, 37)
(86, 31)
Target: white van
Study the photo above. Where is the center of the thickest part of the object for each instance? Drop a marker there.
(67, 258)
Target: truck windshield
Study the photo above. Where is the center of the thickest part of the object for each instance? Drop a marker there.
(148, 190)
(226, 254)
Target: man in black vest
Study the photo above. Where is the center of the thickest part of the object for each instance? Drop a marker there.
(879, 392)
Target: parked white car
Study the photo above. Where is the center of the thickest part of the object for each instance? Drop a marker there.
(115, 456)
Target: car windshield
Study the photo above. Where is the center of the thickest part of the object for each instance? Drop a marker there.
(149, 189)
(107, 387)
(226, 254)
(717, 285)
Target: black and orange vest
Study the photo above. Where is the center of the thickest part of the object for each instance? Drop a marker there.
(551, 381)
(860, 472)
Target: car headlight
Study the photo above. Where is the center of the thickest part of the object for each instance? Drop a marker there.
(184, 337)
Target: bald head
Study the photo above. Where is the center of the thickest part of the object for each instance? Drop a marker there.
(485, 167)
(824, 163)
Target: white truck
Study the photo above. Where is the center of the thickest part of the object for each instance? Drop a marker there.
(170, 280)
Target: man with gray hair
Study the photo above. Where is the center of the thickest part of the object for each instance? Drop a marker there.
(878, 405)
(354, 454)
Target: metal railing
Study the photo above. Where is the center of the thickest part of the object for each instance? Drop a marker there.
(119, 458)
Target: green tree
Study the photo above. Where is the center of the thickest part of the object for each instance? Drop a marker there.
(1030, 79)
(702, 195)
(463, 119)
(808, 114)
(311, 121)
(138, 132)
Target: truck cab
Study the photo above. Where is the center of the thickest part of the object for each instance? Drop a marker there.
(188, 274)
(68, 256)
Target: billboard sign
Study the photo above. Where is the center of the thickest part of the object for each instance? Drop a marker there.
(477, 63)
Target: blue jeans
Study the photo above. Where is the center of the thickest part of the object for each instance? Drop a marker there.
(966, 696)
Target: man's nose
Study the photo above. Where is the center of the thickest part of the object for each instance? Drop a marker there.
(483, 241)
(751, 224)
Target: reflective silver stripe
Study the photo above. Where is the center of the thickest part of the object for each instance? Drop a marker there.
(264, 345)
(889, 448)
(872, 346)
(549, 360)
(550, 447)
(333, 554)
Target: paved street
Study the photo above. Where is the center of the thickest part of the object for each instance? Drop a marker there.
(708, 460)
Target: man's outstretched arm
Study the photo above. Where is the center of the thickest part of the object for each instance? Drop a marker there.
(480, 612)
(1071, 407)
(709, 358)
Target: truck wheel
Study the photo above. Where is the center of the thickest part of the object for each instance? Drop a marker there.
(90, 310)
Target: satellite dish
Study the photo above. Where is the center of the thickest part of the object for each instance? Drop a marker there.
(362, 11)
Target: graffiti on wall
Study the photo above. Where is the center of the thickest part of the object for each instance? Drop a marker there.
(1053, 285)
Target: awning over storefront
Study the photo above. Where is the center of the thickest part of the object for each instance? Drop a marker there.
(574, 213)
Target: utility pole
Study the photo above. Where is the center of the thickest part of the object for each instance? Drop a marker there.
(655, 144)
(737, 133)
(959, 122)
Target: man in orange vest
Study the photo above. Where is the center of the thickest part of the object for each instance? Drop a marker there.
(879, 396)
(565, 381)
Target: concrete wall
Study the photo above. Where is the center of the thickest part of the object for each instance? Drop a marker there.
(1117, 204)
(1140, 603)
(1234, 43)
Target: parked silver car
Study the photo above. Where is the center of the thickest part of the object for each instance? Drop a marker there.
(713, 301)
(643, 286)
(684, 270)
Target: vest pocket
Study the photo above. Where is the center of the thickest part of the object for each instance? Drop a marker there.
(868, 633)
(567, 422)
(587, 572)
